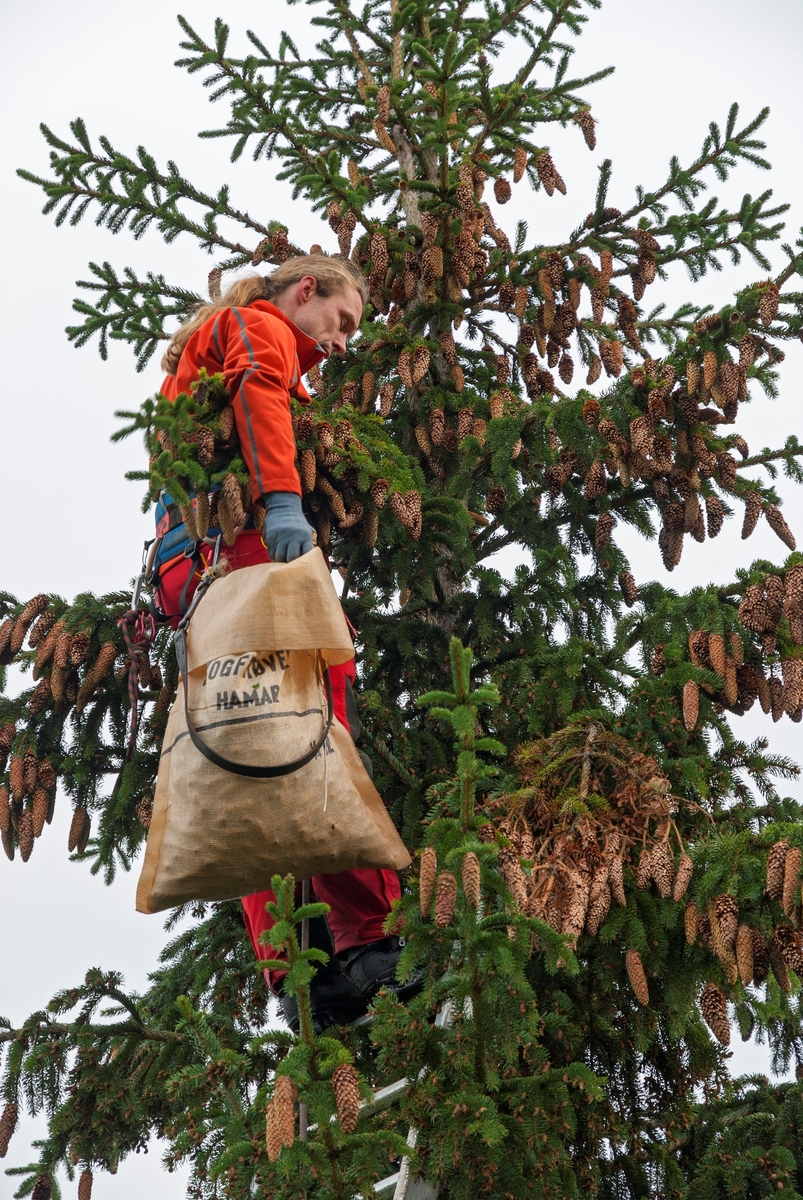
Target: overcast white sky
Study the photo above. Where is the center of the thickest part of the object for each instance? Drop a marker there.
(75, 521)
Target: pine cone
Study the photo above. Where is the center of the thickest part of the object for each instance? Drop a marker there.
(511, 872)
(629, 589)
(768, 303)
(603, 531)
(85, 1185)
(761, 958)
(683, 877)
(595, 483)
(445, 897)
(379, 492)
(644, 870)
(715, 515)
(691, 921)
(778, 964)
(792, 669)
(285, 1093)
(587, 126)
(41, 697)
(30, 770)
(346, 1085)
(638, 980)
(25, 835)
(519, 163)
(16, 777)
(308, 471)
(691, 704)
(658, 660)
(717, 653)
(426, 884)
(437, 426)
(616, 881)
(502, 190)
(79, 831)
(39, 811)
(79, 648)
(273, 1133)
(788, 943)
(42, 1188)
(778, 525)
(8, 1123)
(144, 811)
(662, 869)
(744, 954)
(471, 878)
(611, 355)
(47, 774)
(496, 499)
(600, 900)
(727, 913)
(791, 880)
(712, 1006)
(40, 628)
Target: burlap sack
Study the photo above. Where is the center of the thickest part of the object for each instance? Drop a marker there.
(257, 647)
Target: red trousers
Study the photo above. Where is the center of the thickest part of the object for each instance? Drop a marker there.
(359, 900)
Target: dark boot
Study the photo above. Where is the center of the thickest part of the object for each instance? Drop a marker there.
(334, 998)
(373, 967)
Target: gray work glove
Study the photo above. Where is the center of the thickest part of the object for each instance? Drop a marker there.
(286, 532)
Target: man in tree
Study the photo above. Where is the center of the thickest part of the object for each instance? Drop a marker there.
(263, 335)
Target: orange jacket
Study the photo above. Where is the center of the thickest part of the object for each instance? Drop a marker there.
(263, 356)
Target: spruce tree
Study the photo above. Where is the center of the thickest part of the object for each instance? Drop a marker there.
(607, 880)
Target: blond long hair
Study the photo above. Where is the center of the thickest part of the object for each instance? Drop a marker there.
(332, 275)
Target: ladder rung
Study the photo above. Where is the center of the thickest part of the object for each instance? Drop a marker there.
(386, 1187)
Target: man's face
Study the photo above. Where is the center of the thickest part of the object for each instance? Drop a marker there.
(330, 320)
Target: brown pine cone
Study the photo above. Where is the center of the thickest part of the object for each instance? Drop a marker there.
(41, 804)
(628, 588)
(717, 653)
(404, 368)
(445, 897)
(42, 1188)
(233, 496)
(437, 426)
(594, 370)
(595, 482)
(519, 163)
(386, 396)
(427, 874)
(471, 878)
(79, 648)
(603, 531)
(346, 1086)
(691, 704)
(144, 811)
(752, 511)
(273, 1133)
(5, 810)
(547, 172)
(779, 967)
(285, 1094)
(792, 669)
(16, 777)
(788, 943)
(778, 525)
(308, 471)
(44, 651)
(638, 980)
(791, 880)
(591, 412)
(683, 877)
(41, 697)
(379, 492)
(715, 515)
(715, 1015)
(7, 735)
(727, 912)
(496, 499)
(587, 126)
(644, 870)
(85, 1185)
(40, 628)
(761, 958)
(25, 834)
(658, 660)
(79, 831)
(691, 921)
(744, 954)
(514, 877)
(611, 355)
(599, 903)
(30, 769)
(710, 368)
(502, 190)
(699, 648)
(768, 303)
(662, 869)
(8, 1123)
(47, 774)
(616, 881)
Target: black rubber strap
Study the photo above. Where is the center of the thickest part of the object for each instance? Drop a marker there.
(226, 764)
